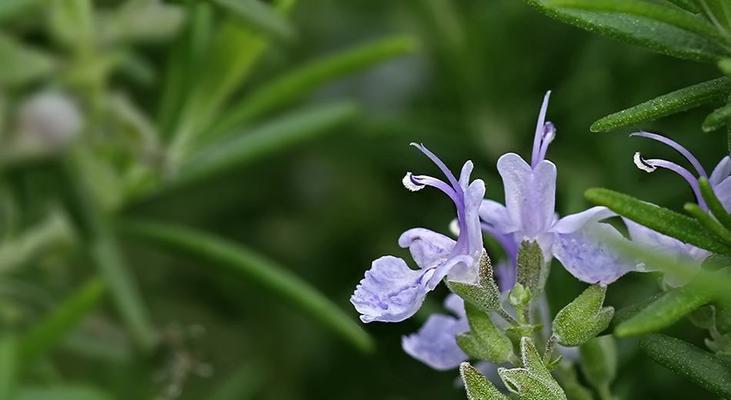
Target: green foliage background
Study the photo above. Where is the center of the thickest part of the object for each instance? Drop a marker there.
(324, 209)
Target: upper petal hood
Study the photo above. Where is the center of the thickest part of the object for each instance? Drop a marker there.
(530, 193)
(426, 246)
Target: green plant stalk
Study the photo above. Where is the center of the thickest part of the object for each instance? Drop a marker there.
(49, 331)
(709, 222)
(106, 255)
(233, 257)
(714, 204)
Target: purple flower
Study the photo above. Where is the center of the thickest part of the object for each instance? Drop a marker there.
(391, 291)
(577, 240)
(435, 344)
(668, 246)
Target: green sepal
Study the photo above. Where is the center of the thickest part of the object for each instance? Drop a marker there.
(583, 318)
(484, 295)
(533, 381)
(477, 386)
(599, 361)
(484, 341)
(530, 263)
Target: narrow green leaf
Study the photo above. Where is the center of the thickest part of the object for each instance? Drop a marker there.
(12, 8)
(49, 331)
(305, 79)
(72, 23)
(258, 15)
(659, 219)
(696, 365)
(251, 266)
(670, 307)
(654, 11)
(668, 104)
(714, 204)
(477, 386)
(687, 5)
(655, 35)
(264, 140)
(62, 392)
(709, 222)
(140, 21)
(8, 367)
(21, 64)
(717, 119)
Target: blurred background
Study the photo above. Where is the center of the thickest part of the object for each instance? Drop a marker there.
(125, 112)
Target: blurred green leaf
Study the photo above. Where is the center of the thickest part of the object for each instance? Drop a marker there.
(10, 9)
(709, 222)
(35, 241)
(477, 386)
(62, 392)
(688, 5)
(658, 36)
(599, 363)
(259, 15)
(303, 80)
(717, 119)
(659, 219)
(140, 21)
(48, 332)
(654, 11)
(8, 366)
(242, 261)
(242, 383)
(668, 104)
(22, 64)
(687, 360)
(72, 23)
(263, 140)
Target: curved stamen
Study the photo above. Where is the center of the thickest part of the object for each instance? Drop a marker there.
(649, 165)
(417, 182)
(549, 135)
(675, 146)
(452, 180)
(540, 131)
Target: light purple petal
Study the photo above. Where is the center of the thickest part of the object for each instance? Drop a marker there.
(505, 274)
(530, 194)
(390, 291)
(435, 344)
(574, 222)
(427, 247)
(721, 172)
(589, 256)
(473, 198)
(668, 247)
(497, 216)
(723, 192)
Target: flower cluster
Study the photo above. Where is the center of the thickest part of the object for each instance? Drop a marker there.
(391, 291)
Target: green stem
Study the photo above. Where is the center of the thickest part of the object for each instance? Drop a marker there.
(604, 393)
(105, 253)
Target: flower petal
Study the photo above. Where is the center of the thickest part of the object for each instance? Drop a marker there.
(497, 216)
(473, 198)
(505, 274)
(455, 304)
(721, 172)
(588, 256)
(530, 194)
(426, 246)
(723, 192)
(390, 291)
(435, 344)
(574, 222)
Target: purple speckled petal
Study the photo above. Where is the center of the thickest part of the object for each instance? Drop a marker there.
(530, 193)
(721, 172)
(574, 222)
(390, 291)
(435, 344)
(426, 246)
(589, 256)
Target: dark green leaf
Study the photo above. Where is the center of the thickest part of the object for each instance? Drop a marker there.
(686, 5)
(654, 11)
(714, 204)
(717, 119)
(687, 360)
(8, 366)
(52, 329)
(668, 104)
(220, 253)
(655, 35)
(62, 392)
(659, 219)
